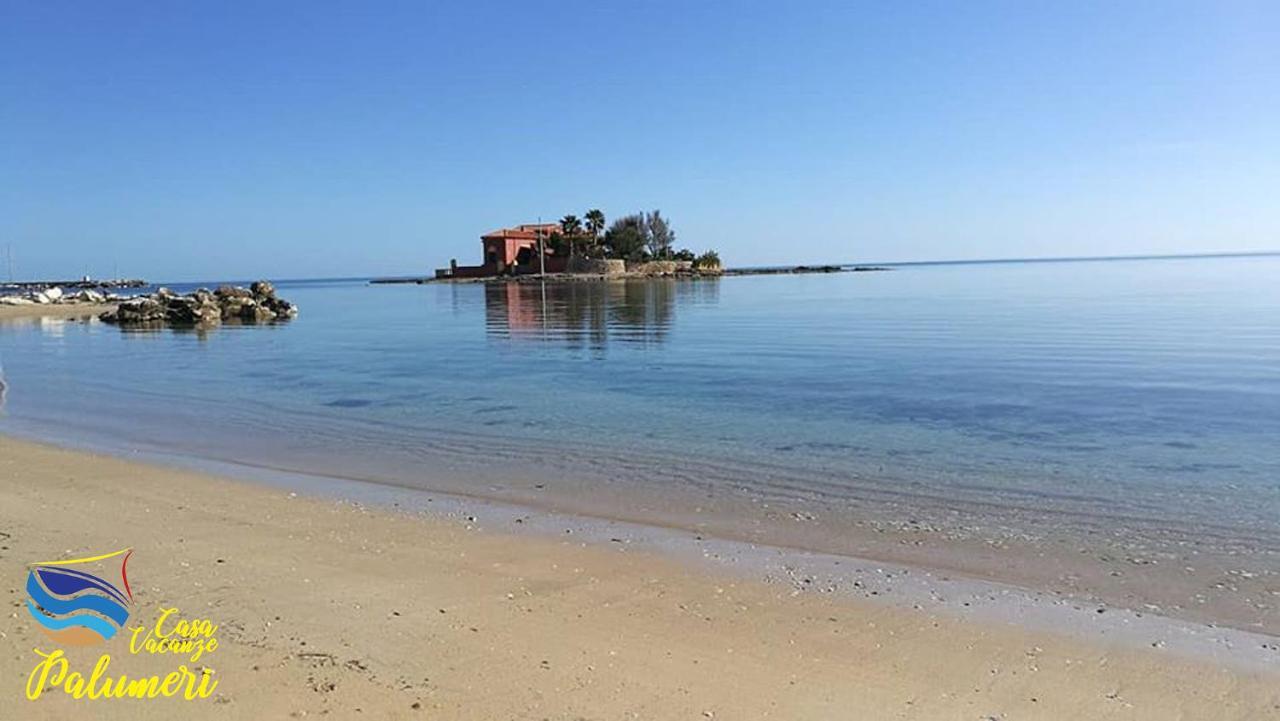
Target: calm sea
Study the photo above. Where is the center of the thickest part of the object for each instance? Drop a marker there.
(1146, 391)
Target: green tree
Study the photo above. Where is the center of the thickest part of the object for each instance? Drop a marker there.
(595, 222)
(708, 260)
(626, 238)
(570, 226)
(659, 237)
(571, 229)
(558, 243)
(595, 228)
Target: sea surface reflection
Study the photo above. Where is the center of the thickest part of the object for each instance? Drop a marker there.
(590, 315)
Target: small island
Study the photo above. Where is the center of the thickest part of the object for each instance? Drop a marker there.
(639, 245)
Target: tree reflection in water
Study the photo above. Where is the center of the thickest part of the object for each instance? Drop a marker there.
(591, 314)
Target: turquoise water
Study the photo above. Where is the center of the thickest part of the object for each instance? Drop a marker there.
(1146, 391)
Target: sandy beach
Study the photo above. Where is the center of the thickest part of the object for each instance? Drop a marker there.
(328, 607)
(20, 313)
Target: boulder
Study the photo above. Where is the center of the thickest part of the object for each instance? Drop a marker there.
(247, 310)
(257, 314)
(192, 310)
(225, 292)
(262, 289)
(87, 296)
(281, 307)
(138, 310)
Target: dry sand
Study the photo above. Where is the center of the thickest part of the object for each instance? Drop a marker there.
(53, 310)
(330, 608)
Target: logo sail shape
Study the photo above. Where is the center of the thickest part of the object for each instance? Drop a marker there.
(75, 608)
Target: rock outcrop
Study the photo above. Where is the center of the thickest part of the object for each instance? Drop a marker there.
(256, 304)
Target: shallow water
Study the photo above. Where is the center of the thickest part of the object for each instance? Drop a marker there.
(1137, 393)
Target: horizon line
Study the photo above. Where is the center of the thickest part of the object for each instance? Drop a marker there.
(1079, 258)
(897, 263)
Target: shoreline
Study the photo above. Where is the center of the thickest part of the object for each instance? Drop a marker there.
(923, 583)
(897, 584)
(55, 311)
(408, 612)
(1094, 562)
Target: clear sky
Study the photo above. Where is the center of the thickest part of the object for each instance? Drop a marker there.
(191, 141)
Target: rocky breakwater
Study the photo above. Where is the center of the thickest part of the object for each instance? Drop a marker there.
(54, 296)
(228, 304)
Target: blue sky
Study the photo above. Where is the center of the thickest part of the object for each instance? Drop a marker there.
(184, 141)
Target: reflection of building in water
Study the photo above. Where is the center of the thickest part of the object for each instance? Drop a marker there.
(520, 310)
(589, 314)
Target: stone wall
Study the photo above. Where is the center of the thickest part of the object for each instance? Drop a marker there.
(661, 267)
(596, 266)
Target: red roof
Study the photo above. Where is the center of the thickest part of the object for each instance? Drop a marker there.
(526, 231)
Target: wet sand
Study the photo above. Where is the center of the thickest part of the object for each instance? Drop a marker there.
(1083, 556)
(331, 607)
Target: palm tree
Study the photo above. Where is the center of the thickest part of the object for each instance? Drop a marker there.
(571, 228)
(570, 225)
(595, 225)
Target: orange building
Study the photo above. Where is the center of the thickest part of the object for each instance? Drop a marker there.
(515, 246)
(511, 250)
